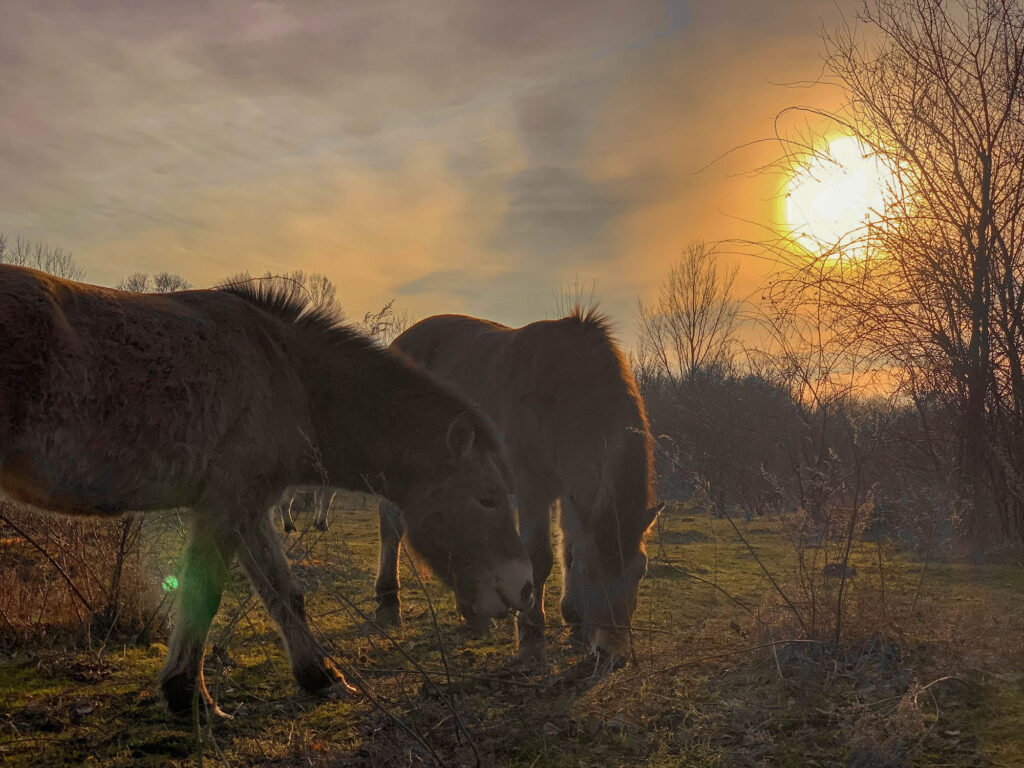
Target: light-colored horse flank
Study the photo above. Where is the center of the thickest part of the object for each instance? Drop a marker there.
(217, 400)
(565, 399)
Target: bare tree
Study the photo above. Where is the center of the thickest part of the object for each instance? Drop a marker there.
(137, 282)
(166, 282)
(936, 284)
(692, 324)
(318, 290)
(53, 259)
(159, 282)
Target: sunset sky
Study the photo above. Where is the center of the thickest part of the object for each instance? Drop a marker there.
(456, 156)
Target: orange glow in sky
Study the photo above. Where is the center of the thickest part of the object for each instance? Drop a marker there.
(833, 197)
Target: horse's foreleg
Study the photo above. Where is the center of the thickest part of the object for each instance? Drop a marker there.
(535, 531)
(389, 606)
(267, 567)
(207, 559)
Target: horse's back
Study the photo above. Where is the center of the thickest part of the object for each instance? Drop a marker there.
(113, 400)
(557, 389)
(549, 361)
(435, 342)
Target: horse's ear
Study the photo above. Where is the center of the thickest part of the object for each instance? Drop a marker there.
(651, 515)
(461, 434)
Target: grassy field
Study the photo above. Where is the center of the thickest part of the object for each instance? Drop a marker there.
(929, 671)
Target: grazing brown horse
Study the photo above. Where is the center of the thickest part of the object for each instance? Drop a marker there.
(563, 396)
(217, 400)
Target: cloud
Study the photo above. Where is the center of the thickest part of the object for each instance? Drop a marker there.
(463, 154)
(109, 110)
(557, 213)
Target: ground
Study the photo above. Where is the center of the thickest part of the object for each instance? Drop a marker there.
(929, 670)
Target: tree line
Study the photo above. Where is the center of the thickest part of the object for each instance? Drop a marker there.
(889, 363)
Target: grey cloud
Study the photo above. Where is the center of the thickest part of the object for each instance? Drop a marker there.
(120, 118)
(554, 124)
(556, 212)
(449, 281)
(112, 111)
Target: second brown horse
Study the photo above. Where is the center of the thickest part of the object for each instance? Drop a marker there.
(563, 396)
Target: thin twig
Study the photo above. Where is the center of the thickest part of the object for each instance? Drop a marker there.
(53, 562)
(447, 668)
(721, 589)
(767, 573)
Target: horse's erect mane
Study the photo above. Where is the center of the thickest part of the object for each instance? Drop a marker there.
(288, 301)
(598, 331)
(592, 318)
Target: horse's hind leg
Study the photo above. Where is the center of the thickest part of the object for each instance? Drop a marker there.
(389, 606)
(267, 567)
(207, 559)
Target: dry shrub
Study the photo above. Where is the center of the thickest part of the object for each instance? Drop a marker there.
(72, 577)
(840, 590)
(889, 738)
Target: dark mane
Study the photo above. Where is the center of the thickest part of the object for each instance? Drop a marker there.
(593, 319)
(288, 301)
(599, 332)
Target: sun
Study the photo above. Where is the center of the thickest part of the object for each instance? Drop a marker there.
(835, 195)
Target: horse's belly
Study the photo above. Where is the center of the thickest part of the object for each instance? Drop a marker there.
(98, 473)
(22, 481)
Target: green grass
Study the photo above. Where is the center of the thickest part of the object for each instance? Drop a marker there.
(939, 684)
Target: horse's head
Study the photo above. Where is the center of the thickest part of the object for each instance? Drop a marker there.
(459, 520)
(603, 565)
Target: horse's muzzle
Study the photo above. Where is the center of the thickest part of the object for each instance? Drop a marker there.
(510, 587)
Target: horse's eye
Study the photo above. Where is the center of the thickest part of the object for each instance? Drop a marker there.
(488, 502)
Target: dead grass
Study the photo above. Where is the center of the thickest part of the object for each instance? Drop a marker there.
(933, 677)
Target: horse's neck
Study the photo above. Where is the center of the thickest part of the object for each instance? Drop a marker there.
(367, 409)
(617, 476)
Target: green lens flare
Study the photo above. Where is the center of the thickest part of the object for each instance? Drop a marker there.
(170, 584)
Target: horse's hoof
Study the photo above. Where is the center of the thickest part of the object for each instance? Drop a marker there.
(388, 616)
(320, 525)
(604, 664)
